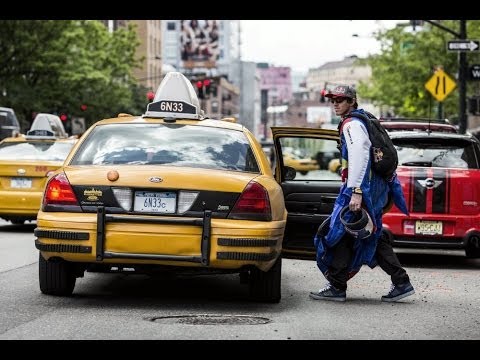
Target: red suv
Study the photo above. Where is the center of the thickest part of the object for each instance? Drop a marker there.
(440, 175)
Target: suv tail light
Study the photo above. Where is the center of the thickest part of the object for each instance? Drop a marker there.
(59, 191)
(253, 204)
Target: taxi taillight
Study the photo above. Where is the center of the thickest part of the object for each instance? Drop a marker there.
(59, 192)
(253, 204)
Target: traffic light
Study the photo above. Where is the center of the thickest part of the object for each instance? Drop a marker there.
(473, 105)
(207, 84)
(322, 95)
(200, 89)
(83, 107)
(63, 117)
(150, 96)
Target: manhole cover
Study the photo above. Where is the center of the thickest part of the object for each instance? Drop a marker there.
(207, 319)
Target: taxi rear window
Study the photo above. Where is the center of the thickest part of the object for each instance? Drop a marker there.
(41, 151)
(167, 144)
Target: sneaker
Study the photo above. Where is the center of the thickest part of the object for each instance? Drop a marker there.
(329, 292)
(398, 292)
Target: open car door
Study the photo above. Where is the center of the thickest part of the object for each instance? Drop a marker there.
(307, 168)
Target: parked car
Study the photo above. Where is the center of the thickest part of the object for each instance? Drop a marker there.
(440, 176)
(169, 191)
(9, 125)
(26, 161)
(418, 124)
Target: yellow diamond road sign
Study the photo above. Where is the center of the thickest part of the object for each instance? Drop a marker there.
(440, 85)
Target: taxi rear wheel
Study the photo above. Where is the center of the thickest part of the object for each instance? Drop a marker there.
(56, 277)
(266, 286)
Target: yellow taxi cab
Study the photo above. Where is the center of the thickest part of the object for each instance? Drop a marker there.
(301, 164)
(167, 191)
(25, 164)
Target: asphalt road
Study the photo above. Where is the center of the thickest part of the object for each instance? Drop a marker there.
(115, 306)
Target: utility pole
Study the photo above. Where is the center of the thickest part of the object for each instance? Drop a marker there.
(462, 77)
(462, 73)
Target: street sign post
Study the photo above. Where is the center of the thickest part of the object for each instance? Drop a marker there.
(463, 45)
(440, 85)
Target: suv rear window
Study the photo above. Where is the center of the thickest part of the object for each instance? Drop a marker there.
(437, 152)
(172, 144)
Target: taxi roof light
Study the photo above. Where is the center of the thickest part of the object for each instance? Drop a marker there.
(253, 204)
(46, 126)
(175, 98)
(59, 191)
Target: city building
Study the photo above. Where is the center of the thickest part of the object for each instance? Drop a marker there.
(245, 75)
(348, 71)
(201, 46)
(113, 25)
(277, 81)
(149, 52)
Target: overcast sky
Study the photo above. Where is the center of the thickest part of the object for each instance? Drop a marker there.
(304, 44)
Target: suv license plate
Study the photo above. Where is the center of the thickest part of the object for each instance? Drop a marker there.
(428, 227)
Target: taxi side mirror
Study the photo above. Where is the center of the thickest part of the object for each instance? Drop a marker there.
(289, 173)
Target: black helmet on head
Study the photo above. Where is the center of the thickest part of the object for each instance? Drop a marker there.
(360, 226)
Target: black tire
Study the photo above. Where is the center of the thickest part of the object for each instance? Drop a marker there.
(472, 250)
(304, 172)
(266, 286)
(472, 253)
(56, 277)
(18, 221)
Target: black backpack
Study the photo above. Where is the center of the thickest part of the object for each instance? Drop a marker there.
(384, 154)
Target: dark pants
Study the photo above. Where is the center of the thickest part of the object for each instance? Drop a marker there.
(388, 261)
(342, 254)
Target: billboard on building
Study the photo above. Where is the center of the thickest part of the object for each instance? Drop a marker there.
(199, 43)
(319, 115)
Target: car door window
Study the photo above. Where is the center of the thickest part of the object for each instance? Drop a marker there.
(312, 158)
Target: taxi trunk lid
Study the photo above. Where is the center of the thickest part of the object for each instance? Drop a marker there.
(217, 190)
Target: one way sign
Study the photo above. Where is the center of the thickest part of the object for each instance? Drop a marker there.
(463, 45)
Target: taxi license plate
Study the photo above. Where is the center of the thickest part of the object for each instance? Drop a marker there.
(21, 183)
(428, 227)
(157, 202)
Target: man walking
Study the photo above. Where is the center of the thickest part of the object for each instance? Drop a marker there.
(341, 253)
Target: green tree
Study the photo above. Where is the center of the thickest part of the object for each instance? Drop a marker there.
(56, 66)
(406, 62)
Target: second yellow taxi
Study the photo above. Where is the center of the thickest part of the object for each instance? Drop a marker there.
(26, 161)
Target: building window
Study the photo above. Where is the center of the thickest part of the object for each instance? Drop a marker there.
(171, 26)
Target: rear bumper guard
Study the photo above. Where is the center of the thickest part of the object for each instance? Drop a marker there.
(205, 223)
